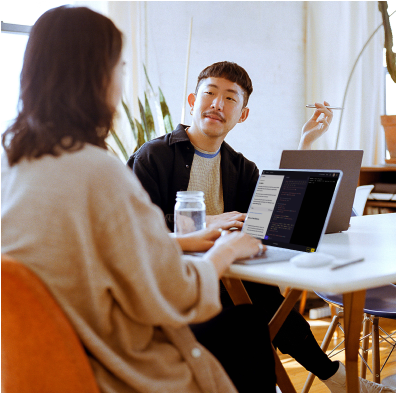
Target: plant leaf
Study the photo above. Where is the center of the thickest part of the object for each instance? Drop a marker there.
(149, 120)
(141, 135)
(144, 121)
(130, 119)
(390, 55)
(147, 78)
(119, 144)
(166, 114)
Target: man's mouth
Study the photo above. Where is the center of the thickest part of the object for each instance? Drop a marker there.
(214, 116)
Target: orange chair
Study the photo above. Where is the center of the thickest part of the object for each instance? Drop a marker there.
(40, 351)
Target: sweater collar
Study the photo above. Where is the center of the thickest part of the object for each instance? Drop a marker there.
(180, 135)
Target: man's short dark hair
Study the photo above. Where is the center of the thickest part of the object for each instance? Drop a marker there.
(230, 71)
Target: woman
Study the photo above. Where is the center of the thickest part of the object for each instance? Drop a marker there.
(82, 222)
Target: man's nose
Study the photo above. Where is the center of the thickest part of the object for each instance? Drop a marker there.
(217, 103)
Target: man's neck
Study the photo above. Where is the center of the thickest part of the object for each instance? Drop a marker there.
(202, 141)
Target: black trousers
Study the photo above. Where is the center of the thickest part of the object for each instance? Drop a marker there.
(294, 337)
(239, 338)
(268, 299)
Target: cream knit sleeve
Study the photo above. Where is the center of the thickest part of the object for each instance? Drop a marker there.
(143, 268)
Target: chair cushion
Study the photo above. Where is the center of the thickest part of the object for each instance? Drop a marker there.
(379, 301)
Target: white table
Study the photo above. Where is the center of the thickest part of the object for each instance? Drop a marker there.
(372, 237)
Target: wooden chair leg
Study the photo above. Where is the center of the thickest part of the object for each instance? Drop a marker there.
(375, 349)
(303, 302)
(334, 313)
(365, 346)
(324, 346)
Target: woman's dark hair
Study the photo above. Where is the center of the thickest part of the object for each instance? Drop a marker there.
(230, 71)
(66, 74)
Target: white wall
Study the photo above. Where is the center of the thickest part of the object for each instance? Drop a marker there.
(266, 38)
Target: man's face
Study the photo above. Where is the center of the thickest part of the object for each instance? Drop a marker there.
(217, 107)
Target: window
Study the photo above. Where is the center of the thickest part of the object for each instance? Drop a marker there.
(12, 48)
(18, 17)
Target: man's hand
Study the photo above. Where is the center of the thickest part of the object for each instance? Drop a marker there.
(316, 126)
(226, 221)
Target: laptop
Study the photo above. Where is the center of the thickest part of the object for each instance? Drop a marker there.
(348, 161)
(289, 212)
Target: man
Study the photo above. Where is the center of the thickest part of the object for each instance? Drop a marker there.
(198, 158)
(164, 165)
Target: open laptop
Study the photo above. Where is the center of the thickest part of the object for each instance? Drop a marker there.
(348, 161)
(289, 211)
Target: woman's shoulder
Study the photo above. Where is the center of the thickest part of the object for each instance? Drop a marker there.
(103, 164)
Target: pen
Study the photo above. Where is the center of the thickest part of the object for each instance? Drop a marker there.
(327, 106)
(348, 263)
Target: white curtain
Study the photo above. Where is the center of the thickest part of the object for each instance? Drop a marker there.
(335, 34)
(130, 18)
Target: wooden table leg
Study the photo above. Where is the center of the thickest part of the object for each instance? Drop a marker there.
(353, 304)
(239, 295)
(236, 291)
(283, 311)
(283, 380)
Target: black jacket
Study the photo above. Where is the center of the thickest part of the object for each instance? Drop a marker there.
(163, 167)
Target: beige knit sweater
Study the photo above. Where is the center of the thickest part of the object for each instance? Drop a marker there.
(85, 226)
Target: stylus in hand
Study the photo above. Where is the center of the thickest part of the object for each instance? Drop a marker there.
(327, 106)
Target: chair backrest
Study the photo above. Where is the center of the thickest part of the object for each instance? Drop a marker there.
(360, 198)
(40, 350)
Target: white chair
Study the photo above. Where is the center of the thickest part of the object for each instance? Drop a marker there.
(360, 199)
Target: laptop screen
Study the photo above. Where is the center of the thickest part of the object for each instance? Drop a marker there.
(290, 208)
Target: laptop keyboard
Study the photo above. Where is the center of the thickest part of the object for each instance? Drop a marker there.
(270, 255)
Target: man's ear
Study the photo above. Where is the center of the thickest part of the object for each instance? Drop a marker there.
(244, 115)
(191, 99)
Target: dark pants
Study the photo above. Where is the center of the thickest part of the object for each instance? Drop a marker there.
(294, 337)
(239, 338)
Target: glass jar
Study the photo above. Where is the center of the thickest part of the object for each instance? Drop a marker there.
(189, 214)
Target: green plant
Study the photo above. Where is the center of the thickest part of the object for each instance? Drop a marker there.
(145, 129)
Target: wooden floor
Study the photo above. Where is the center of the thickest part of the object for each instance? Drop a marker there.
(319, 327)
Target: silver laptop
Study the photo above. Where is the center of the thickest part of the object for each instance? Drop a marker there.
(289, 211)
(348, 161)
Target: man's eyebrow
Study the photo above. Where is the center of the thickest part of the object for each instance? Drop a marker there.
(211, 85)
